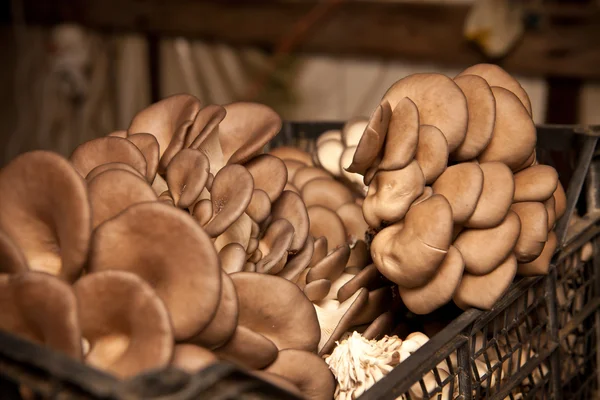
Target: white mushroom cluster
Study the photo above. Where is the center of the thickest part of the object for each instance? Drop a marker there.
(456, 200)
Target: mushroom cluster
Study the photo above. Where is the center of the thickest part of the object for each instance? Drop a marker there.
(173, 242)
(457, 204)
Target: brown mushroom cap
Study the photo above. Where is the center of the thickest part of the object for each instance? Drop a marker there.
(354, 181)
(482, 115)
(402, 136)
(368, 278)
(391, 193)
(46, 213)
(246, 129)
(306, 371)
(550, 205)
(372, 140)
(148, 145)
(183, 268)
(537, 183)
(484, 249)
(249, 349)
(360, 256)
(514, 136)
(320, 250)
(324, 222)
(381, 326)
(230, 196)
(440, 101)
(496, 196)
(440, 289)
(352, 131)
(378, 301)
(274, 246)
(409, 253)
(232, 257)
(496, 76)
(12, 260)
(192, 358)
(175, 146)
(541, 265)
(205, 125)
(560, 201)
(328, 154)
(269, 174)
(298, 262)
(307, 174)
(221, 328)
(115, 190)
(125, 322)
(109, 166)
(331, 266)
(534, 230)
(483, 291)
(186, 176)
(265, 301)
(120, 133)
(92, 153)
(41, 308)
(461, 185)
(432, 152)
(327, 193)
(238, 232)
(289, 153)
(330, 134)
(354, 222)
(289, 206)
(292, 166)
(317, 290)
(259, 208)
(163, 118)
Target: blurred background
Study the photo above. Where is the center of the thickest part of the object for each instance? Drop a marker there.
(73, 70)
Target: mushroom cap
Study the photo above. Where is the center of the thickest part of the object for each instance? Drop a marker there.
(320, 250)
(327, 193)
(360, 255)
(289, 206)
(330, 134)
(536, 183)
(331, 266)
(148, 145)
(410, 253)
(232, 257)
(221, 328)
(354, 222)
(103, 150)
(269, 174)
(496, 76)
(329, 153)
(277, 381)
(336, 318)
(353, 180)
(440, 101)
(183, 269)
(372, 140)
(109, 166)
(274, 246)
(541, 265)
(481, 105)
(499, 242)
(246, 129)
(432, 152)
(461, 185)
(378, 301)
(440, 289)
(120, 133)
(514, 136)
(298, 262)
(402, 136)
(353, 130)
(551, 210)
(369, 278)
(305, 175)
(12, 260)
(264, 305)
(205, 124)
(238, 232)
(186, 176)
(259, 208)
(292, 166)
(175, 146)
(230, 195)
(391, 193)
(288, 153)
(41, 308)
(483, 291)
(46, 212)
(247, 348)
(307, 371)
(324, 222)
(163, 118)
(496, 196)
(317, 290)
(125, 322)
(534, 230)
(560, 201)
(113, 191)
(192, 358)
(380, 326)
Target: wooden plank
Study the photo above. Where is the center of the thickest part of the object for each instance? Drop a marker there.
(411, 31)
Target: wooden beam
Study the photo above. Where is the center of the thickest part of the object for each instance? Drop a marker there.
(566, 45)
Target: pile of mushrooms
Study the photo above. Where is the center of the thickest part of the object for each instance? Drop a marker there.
(457, 203)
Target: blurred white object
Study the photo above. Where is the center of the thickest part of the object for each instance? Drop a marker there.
(495, 25)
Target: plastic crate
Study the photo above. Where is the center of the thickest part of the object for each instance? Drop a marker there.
(526, 347)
